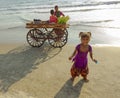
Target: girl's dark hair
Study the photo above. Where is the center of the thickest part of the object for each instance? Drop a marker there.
(52, 12)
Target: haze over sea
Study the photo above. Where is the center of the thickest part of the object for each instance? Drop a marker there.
(101, 17)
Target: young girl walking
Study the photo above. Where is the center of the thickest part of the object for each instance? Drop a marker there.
(79, 57)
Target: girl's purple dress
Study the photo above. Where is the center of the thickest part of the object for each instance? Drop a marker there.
(80, 62)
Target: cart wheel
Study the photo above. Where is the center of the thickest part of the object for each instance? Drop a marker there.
(35, 38)
(58, 38)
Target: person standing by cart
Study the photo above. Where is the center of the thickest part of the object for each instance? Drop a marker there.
(57, 12)
(53, 18)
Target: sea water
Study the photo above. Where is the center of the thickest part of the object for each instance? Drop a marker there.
(100, 17)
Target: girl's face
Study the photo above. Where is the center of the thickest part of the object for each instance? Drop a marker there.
(85, 40)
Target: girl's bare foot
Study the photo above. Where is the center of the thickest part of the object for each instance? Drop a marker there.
(86, 80)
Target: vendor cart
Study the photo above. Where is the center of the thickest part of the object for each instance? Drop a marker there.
(56, 34)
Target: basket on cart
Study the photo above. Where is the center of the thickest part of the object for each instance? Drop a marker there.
(56, 34)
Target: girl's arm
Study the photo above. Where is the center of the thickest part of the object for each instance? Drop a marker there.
(91, 56)
(75, 51)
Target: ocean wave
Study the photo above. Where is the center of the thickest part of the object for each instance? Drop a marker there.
(106, 45)
(82, 24)
(47, 10)
(23, 26)
(12, 27)
(15, 27)
(72, 23)
(48, 6)
(99, 21)
(96, 3)
(24, 20)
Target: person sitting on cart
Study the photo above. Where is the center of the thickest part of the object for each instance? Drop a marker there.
(57, 12)
(53, 18)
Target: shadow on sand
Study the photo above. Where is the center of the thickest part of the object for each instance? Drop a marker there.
(70, 91)
(18, 62)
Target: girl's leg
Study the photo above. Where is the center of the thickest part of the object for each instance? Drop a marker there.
(84, 74)
(73, 72)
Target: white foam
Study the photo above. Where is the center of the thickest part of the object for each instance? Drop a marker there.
(106, 45)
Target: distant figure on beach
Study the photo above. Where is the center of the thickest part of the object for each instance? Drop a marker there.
(79, 57)
(57, 12)
(53, 18)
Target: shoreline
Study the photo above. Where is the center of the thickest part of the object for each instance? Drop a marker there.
(99, 38)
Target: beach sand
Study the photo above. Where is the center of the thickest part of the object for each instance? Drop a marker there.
(27, 72)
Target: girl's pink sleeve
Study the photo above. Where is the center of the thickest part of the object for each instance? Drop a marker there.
(90, 48)
(77, 47)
